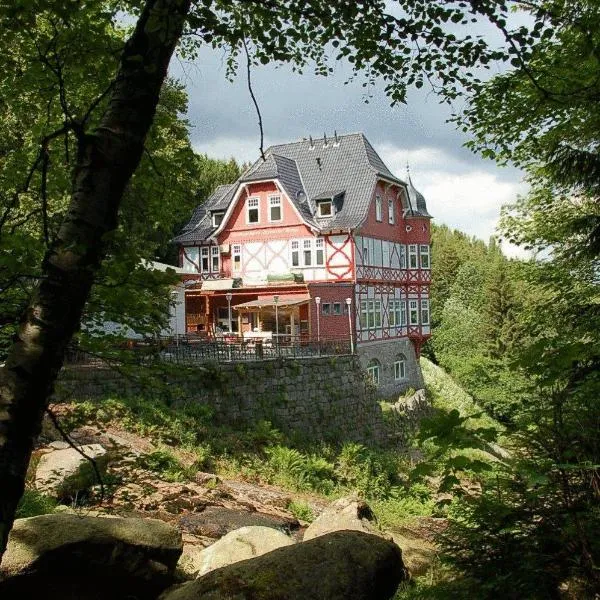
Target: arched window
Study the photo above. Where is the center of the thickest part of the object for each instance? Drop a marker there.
(374, 369)
(400, 367)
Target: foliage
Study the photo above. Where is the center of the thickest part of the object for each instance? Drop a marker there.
(301, 510)
(34, 503)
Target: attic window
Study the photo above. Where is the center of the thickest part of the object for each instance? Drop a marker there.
(217, 218)
(325, 209)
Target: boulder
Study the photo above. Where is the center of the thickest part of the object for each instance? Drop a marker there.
(65, 472)
(345, 565)
(241, 544)
(71, 556)
(346, 513)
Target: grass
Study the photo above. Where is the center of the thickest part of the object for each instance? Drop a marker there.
(187, 441)
(446, 395)
(33, 503)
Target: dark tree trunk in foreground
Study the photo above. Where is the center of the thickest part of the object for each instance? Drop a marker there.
(107, 158)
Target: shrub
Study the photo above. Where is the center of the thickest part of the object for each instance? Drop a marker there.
(33, 503)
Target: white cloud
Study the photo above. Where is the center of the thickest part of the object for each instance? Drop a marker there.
(457, 194)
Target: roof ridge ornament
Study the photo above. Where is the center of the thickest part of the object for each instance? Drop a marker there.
(325, 144)
(311, 143)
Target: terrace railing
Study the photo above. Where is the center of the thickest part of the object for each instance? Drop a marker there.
(192, 349)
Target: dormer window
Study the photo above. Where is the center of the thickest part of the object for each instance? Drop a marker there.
(325, 208)
(217, 218)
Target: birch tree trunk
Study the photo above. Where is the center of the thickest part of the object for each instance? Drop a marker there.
(107, 158)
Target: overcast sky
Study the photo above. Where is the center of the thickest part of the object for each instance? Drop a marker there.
(462, 190)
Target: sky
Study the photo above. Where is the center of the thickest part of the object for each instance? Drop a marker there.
(463, 190)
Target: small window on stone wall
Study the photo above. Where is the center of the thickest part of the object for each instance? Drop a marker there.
(400, 367)
(374, 370)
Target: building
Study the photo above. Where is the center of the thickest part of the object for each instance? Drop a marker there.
(318, 240)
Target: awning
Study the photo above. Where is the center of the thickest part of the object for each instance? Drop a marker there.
(268, 302)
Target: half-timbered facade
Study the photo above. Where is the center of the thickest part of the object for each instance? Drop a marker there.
(318, 240)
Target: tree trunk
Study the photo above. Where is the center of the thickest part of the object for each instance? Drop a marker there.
(107, 158)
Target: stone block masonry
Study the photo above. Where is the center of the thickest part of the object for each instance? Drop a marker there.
(318, 398)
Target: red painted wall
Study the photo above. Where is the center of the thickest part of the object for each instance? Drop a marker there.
(332, 326)
(419, 227)
(237, 230)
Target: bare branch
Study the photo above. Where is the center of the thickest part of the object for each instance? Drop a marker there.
(260, 124)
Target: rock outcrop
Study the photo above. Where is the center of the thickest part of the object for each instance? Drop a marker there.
(241, 544)
(64, 472)
(71, 556)
(348, 513)
(345, 565)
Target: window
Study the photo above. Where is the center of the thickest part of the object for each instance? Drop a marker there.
(363, 314)
(295, 254)
(252, 215)
(214, 255)
(365, 255)
(403, 256)
(307, 254)
(326, 308)
(320, 251)
(217, 219)
(413, 312)
(324, 209)
(275, 208)
(412, 256)
(378, 208)
(236, 257)
(424, 254)
(373, 370)
(403, 313)
(424, 312)
(400, 367)
(391, 217)
(313, 252)
(204, 263)
(370, 314)
(190, 259)
(395, 313)
(336, 308)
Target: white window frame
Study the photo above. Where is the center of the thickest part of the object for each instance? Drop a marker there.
(204, 256)
(252, 203)
(424, 256)
(321, 205)
(403, 262)
(236, 252)
(403, 313)
(307, 253)
(215, 266)
(425, 311)
(378, 208)
(391, 215)
(413, 310)
(374, 371)
(319, 252)
(413, 262)
(275, 202)
(400, 369)
(395, 313)
(217, 218)
(295, 254)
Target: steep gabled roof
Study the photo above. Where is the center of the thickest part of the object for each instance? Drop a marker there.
(345, 169)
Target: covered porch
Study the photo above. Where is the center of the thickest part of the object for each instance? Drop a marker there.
(217, 309)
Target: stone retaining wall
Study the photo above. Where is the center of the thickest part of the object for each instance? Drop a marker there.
(325, 398)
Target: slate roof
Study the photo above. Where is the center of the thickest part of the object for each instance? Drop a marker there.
(345, 169)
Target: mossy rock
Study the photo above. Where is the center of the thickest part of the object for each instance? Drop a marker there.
(89, 558)
(345, 565)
